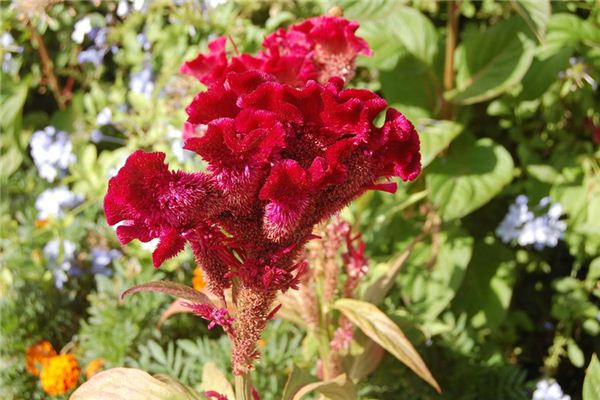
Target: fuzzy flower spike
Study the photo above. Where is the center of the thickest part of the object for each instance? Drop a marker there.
(282, 156)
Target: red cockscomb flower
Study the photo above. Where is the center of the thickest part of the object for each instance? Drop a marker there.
(286, 148)
(316, 49)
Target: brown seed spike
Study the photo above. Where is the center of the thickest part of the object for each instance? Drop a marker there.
(335, 11)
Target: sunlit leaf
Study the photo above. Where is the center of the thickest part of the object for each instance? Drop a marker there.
(490, 63)
(381, 329)
(132, 384)
(591, 384)
(469, 176)
(340, 388)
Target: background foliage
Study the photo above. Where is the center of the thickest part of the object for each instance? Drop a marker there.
(519, 116)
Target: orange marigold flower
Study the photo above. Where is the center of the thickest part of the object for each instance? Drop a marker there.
(198, 280)
(60, 374)
(93, 367)
(37, 355)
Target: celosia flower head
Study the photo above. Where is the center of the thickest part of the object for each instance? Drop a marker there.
(286, 147)
(316, 49)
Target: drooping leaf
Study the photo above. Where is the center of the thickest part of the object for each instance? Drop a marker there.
(174, 289)
(490, 63)
(132, 384)
(340, 388)
(591, 383)
(382, 330)
(536, 14)
(469, 176)
(435, 136)
(214, 379)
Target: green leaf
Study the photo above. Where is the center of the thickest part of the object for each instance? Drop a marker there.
(491, 62)
(469, 176)
(488, 285)
(575, 354)
(432, 288)
(132, 384)
(536, 14)
(297, 379)
(214, 379)
(392, 28)
(412, 87)
(591, 383)
(11, 107)
(340, 388)
(435, 136)
(383, 331)
(174, 289)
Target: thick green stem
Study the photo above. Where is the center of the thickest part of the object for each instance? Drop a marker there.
(243, 387)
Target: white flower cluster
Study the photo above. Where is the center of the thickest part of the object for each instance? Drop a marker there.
(549, 389)
(61, 260)
(52, 152)
(522, 225)
(52, 203)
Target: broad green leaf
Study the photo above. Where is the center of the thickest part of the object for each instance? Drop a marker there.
(297, 379)
(214, 379)
(12, 105)
(591, 383)
(391, 28)
(131, 384)
(431, 288)
(340, 388)
(488, 284)
(10, 161)
(469, 176)
(171, 288)
(383, 331)
(411, 87)
(563, 29)
(435, 136)
(543, 72)
(491, 62)
(536, 14)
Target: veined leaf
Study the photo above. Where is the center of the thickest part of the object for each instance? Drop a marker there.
(536, 14)
(435, 136)
(468, 177)
(174, 289)
(383, 331)
(132, 384)
(491, 62)
(297, 379)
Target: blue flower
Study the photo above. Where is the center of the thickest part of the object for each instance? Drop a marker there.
(51, 151)
(102, 258)
(52, 203)
(61, 260)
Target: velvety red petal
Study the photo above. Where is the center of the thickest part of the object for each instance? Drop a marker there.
(169, 245)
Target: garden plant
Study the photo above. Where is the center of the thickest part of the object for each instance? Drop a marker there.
(381, 199)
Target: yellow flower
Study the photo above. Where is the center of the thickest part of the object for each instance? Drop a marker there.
(60, 374)
(198, 280)
(37, 355)
(94, 367)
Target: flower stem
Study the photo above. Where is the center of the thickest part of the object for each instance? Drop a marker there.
(243, 387)
(447, 110)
